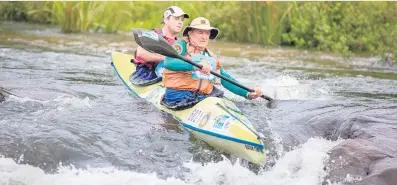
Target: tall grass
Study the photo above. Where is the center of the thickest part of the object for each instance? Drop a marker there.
(255, 22)
(334, 26)
(17, 11)
(72, 16)
(110, 21)
(265, 21)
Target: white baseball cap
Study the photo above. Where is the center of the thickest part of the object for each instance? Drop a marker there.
(174, 11)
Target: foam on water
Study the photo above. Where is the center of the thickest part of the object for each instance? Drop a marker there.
(285, 87)
(60, 102)
(348, 179)
(63, 103)
(301, 166)
(13, 173)
(24, 99)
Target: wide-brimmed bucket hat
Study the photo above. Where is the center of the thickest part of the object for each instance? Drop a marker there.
(201, 23)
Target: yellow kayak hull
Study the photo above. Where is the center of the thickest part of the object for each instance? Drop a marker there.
(217, 121)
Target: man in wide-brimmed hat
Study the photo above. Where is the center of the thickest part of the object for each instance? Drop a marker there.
(146, 62)
(187, 85)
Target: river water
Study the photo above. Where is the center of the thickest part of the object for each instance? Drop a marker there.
(68, 119)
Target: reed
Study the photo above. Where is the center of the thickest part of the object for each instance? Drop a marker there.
(256, 22)
(72, 16)
(329, 26)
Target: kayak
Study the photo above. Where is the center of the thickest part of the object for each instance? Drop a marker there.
(216, 121)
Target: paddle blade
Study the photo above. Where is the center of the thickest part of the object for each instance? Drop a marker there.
(152, 42)
(272, 103)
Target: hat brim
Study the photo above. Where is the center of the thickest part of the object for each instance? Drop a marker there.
(185, 15)
(213, 31)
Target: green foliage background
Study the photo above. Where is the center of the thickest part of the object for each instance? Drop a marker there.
(343, 27)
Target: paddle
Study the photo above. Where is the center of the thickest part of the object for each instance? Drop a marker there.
(152, 42)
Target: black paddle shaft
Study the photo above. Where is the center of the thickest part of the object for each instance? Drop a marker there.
(223, 77)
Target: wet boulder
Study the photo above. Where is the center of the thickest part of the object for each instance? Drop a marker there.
(2, 98)
(351, 161)
(368, 156)
(383, 172)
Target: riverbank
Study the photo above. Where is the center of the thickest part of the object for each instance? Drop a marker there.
(343, 27)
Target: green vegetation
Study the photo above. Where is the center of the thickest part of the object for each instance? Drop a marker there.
(17, 11)
(72, 16)
(347, 27)
(343, 27)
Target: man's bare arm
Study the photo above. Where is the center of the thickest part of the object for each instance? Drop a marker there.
(147, 56)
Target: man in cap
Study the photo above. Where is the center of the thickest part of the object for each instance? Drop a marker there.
(187, 85)
(147, 69)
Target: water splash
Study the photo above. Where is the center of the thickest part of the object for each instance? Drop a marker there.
(60, 102)
(285, 87)
(301, 166)
(13, 173)
(63, 102)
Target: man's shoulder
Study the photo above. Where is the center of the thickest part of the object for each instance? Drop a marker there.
(157, 30)
(180, 47)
